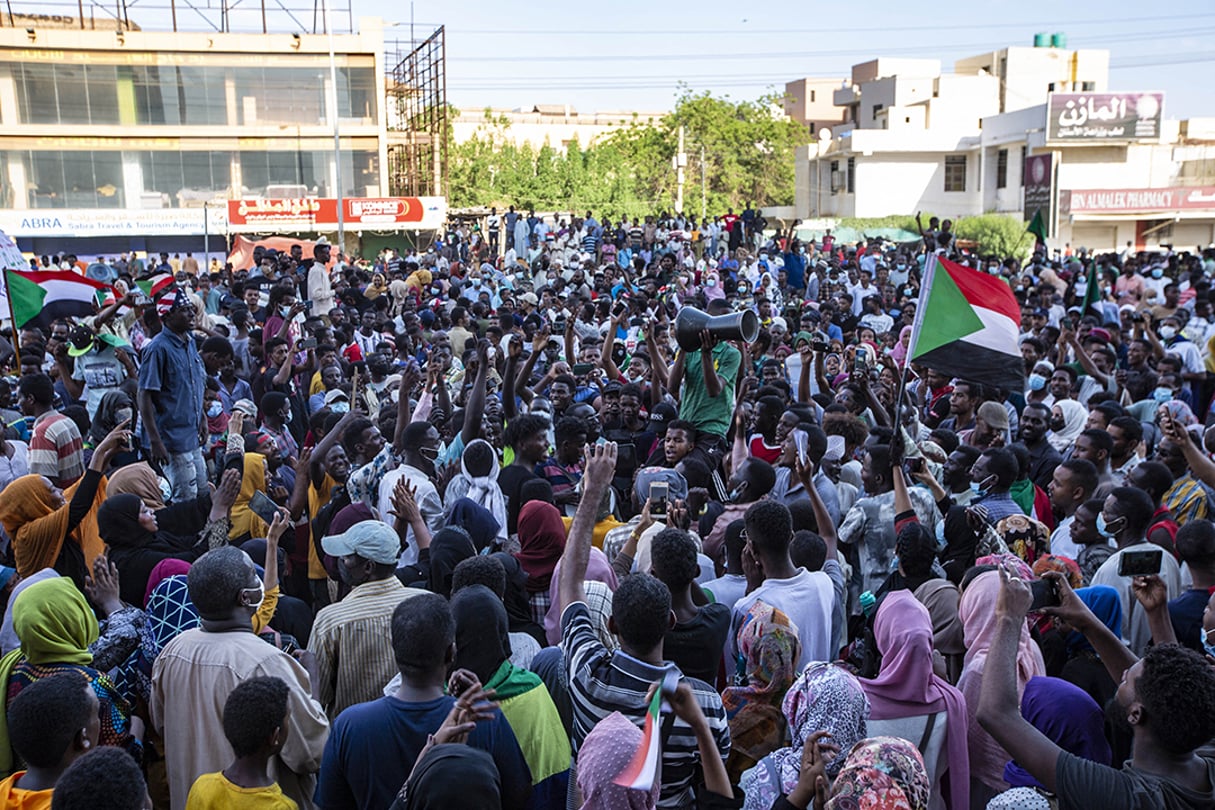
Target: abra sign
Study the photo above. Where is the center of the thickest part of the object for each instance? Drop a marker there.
(1104, 117)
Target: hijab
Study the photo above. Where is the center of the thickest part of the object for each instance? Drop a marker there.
(482, 490)
(979, 623)
(450, 546)
(1074, 417)
(1069, 717)
(603, 757)
(164, 569)
(38, 528)
(106, 417)
(518, 608)
(482, 631)
(55, 623)
(825, 697)
(1106, 605)
(453, 775)
(768, 650)
(478, 521)
(906, 685)
(898, 352)
(138, 479)
(541, 542)
(882, 773)
(244, 521)
(598, 569)
(118, 522)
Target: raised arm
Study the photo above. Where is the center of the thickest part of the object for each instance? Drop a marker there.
(822, 518)
(1200, 465)
(474, 409)
(600, 467)
(513, 352)
(999, 709)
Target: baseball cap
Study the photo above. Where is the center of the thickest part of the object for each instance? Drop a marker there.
(677, 485)
(993, 413)
(80, 341)
(529, 298)
(370, 539)
(246, 407)
(662, 415)
(334, 395)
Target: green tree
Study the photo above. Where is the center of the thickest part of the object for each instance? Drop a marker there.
(995, 235)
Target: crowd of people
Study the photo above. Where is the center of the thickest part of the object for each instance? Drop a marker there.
(433, 529)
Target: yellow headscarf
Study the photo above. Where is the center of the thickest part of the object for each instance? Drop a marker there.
(244, 521)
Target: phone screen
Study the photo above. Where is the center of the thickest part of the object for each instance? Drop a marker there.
(1140, 562)
(658, 497)
(263, 507)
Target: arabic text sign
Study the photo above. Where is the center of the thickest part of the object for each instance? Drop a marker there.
(1118, 200)
(323, 211)
(1104, 116)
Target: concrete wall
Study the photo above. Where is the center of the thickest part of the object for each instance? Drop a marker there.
(810, 101)
(537, 129)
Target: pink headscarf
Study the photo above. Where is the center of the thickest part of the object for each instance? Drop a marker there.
(906, 686)
(604, 755)
(163, 570)
(598, 569)
(977, 611)
(899, 352)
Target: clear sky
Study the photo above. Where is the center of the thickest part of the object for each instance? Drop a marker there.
(633, 55)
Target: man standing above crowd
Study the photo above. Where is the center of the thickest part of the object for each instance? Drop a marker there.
(708, 375)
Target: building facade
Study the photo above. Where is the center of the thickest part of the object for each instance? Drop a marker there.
(1109, 168)
(554, 125)
(137, 140)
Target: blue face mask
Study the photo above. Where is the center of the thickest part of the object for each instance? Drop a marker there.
(1157, 273)
(1104, 529)
(1162, 395)
(339, 407)
(978, 489)
(215, 409)
(1206, 643)
(1036, 382)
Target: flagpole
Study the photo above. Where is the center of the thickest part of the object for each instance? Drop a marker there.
(13, 321)
(930, 268)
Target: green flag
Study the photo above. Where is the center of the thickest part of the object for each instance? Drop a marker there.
(1037, 227)
(25, 298)
(1092, 291)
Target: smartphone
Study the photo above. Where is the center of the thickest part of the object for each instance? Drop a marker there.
(913, 465)
(308, 343)
(581, 369)
(308, 306)
(658, 498)
(263, 507)
(1140, 562)
(861, 363)
(1044, 594)
(559, 326)
(619, 309)
(1066, 323)
(799, 439)
(820, 346)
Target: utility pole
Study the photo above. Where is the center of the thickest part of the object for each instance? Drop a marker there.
(704, 186)
(681, 163)
(337, 139)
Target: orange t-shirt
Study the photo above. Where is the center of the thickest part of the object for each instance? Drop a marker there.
(14, 798)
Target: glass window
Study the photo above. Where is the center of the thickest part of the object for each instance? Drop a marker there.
(73, 179)
(955, 172)
(102, 86)
(1001, 168)
(356, 94)
(72, 94)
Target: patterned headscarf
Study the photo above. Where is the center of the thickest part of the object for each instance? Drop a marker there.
(882, 773)
(1029, 539)
(604, 755)
(825, 697)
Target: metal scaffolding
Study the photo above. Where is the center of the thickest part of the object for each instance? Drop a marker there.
(218, 16)
(418, 120)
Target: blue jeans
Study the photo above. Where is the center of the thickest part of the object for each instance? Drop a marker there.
(187, 474)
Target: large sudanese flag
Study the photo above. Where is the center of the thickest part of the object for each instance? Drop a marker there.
(43, 296)
(967, 325)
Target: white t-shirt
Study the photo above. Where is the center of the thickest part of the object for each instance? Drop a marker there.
(1135, 630)
(807, 598)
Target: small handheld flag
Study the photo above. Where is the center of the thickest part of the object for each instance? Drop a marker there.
(642, 770)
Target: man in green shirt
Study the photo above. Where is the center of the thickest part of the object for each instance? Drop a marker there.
(707, 397)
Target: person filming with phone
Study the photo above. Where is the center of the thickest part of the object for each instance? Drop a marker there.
(1124, 520)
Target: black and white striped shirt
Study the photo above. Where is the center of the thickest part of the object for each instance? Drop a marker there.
(602, 682)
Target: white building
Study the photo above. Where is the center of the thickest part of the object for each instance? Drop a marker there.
(552, 124)
(956, 144)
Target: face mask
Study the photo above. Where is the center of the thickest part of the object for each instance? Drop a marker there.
(737, 493)
(1036, 382)
(1157, 273)
(215, 409)
(284, 311)
(1162, 395)
(1104, 528)
(901, 266)
(123, 415)
(978, 489)
(261, 594)
(339, 407)
(1081, 280)
(1207, 646)
(1057, 424)
(711, 283)
(1168, 332)
(1019, 288)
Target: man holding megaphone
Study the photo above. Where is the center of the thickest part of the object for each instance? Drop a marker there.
(711, 365)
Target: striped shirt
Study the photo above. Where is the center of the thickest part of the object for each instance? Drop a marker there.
(56, 449)
(1186, 499)
(602, 682)
(352, 642)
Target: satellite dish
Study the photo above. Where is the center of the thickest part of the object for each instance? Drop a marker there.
(824, 134)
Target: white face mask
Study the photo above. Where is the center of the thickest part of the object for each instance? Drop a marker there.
(261, 594)
(1168, 332)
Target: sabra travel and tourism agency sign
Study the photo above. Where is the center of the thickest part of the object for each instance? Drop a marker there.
(1104, 117)
(382, 213)
(1130, 200)
(238, 216)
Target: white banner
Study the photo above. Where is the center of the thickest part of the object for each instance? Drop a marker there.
(111, 222)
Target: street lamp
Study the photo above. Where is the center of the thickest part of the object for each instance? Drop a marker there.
(337, 142)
